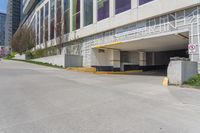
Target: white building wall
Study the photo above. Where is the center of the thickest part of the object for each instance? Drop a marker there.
(101, 57)
(135, 15)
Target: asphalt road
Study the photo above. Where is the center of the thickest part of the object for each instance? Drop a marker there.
(37, 99)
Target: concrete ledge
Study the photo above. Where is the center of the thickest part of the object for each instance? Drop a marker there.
(20, 57)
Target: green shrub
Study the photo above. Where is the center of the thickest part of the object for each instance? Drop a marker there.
(36, 54)
(29, 55)
(194, 81)
(11, 56)
(41, 53)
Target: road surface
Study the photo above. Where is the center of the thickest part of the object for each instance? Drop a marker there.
(38, 99)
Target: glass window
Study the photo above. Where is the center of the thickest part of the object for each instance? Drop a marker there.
(141, 2)
(103, 9)
(76, 14)
(58, 18)
(41, 24)
(66, 16)
(88, 12)
(52, 19)
(38, 28)
(47, 9)
(122, 5)
(33, 24)
(46, 21)
(52, 30)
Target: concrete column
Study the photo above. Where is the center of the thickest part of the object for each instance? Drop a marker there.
(94, 11)
(134, 4)
(82, 13)
(112, 8)
(195, 41)
(71, 15)
(142, 59)
(115, 58)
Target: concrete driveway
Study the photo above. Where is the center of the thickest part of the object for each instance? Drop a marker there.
(37, 99)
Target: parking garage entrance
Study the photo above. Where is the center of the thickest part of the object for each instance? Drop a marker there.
(147, 54)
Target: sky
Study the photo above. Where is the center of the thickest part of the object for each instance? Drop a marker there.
(3, 5)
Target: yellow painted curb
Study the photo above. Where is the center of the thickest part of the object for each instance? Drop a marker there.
(83, 69)
(93, 70)
(119, 73)
(165, 81)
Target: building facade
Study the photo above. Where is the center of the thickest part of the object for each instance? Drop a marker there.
(120, 34)
(27, 7)
(12, 19)
(2, 28)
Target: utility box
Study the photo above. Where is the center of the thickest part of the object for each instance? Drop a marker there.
(73, 61)
(181, 70)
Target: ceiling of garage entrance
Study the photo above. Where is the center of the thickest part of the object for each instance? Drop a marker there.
(161, 43)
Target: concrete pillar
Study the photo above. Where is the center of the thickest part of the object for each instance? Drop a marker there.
(134, 4)
(115, 59)
(94, 11)
(106, 58)
(112, 8)
(142, 59)
(71, 15)
(194, 39)
(82, 13)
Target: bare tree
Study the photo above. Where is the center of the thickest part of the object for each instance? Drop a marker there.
(23, 39)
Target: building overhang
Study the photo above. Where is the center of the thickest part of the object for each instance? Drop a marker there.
(162, 42)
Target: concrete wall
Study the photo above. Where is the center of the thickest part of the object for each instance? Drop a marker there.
(62, 60)
(115, 58)
(180, 71)
(101, 57)
(106, 57)
(54, 60)
(20, 57)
